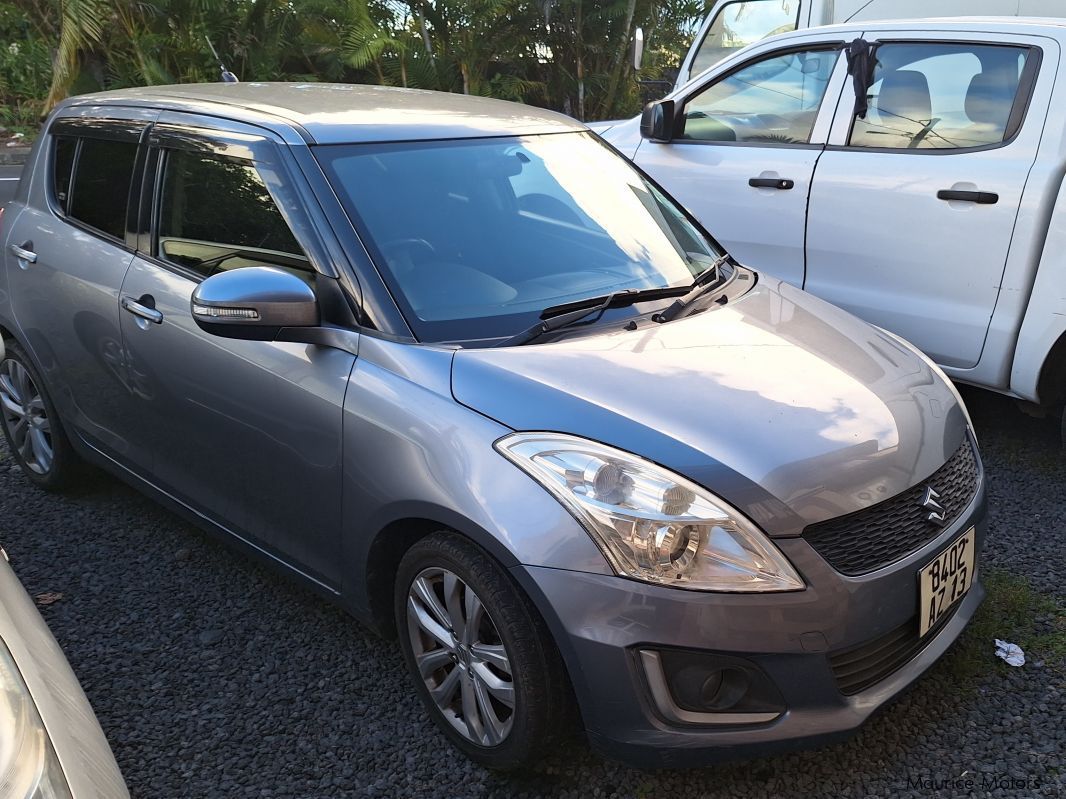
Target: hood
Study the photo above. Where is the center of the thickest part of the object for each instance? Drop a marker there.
(788, 408)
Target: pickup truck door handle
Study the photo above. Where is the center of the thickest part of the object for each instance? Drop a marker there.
(784, 184)
(138, 308)
(979, 197)
(23, 253)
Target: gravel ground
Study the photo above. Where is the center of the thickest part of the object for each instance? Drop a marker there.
(214, 677)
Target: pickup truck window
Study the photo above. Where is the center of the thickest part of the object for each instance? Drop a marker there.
(215, 214)
(774, 100)
(740, 24)
(940, 95)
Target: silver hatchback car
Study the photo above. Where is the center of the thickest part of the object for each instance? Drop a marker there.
(465, 370)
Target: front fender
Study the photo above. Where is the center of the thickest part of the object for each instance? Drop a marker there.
(411, 452)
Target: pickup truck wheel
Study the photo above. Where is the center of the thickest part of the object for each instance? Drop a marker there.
(31, 425)
(481, 657)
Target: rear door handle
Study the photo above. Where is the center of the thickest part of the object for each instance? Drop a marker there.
(23, 253)
(979, 197)
(143, 311)
(784, 184)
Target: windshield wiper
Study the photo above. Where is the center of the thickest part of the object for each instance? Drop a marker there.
(560, 316)
(706, 280)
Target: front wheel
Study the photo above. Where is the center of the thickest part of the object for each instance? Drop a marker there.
(480, 655)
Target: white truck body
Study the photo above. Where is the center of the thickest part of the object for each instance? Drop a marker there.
(732, 24)
(941, 216)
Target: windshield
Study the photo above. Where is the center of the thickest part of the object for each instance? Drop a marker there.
(476, 237)
(740, 24)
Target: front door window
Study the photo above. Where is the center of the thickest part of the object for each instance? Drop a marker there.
(774, 100)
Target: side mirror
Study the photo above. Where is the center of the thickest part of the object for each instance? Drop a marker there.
(638, 48)
(657, 122)
(254, 303)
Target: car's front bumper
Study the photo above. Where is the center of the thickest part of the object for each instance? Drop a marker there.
(602, 625)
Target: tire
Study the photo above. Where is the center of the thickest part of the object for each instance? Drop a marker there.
(508, 652)
(32, 428)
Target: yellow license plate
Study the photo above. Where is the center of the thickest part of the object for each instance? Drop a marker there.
(945, 581)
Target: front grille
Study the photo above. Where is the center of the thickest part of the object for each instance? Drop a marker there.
(862, 666)
(881, 534)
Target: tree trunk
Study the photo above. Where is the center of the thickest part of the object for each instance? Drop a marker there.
(580, 66)
(425, 31)
(620, 67)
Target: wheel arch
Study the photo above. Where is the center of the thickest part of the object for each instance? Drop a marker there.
(391, 541)
(1051, 384)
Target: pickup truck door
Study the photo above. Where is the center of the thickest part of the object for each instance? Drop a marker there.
(747, 139)
(913, 209)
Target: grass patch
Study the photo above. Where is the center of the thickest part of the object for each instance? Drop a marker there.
(1013, 611)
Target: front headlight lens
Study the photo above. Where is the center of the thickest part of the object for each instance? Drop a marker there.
(29, 768)
(650, 523)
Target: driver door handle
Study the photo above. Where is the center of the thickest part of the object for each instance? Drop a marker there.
(784, 184)
(22, 253)
(143, 311)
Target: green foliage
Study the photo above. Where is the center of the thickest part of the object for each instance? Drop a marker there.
(571, 55)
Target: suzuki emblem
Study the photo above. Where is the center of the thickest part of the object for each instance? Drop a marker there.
(936, 510)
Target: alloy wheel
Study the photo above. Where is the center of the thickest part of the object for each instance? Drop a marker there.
(461, 656)
(25, 417)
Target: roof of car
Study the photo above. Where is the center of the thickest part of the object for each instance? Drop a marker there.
(332, 113)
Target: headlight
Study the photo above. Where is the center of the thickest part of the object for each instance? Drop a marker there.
(650, 523)
(29, 768)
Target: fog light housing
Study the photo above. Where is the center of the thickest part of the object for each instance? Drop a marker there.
(707, 688)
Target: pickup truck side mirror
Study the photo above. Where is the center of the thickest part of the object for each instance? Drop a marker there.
(254, 303)
(657, 121)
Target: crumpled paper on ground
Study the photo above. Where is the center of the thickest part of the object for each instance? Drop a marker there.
(1012, 653)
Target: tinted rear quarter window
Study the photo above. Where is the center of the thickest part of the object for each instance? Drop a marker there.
(101, 185)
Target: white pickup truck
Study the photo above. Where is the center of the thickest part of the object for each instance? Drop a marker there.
(733, 24)
(938, 213)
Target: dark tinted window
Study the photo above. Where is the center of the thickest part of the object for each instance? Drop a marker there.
(62, 163)
(102, 185)
(216, 214)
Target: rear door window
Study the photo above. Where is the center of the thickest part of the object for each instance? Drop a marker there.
(942, 96)
(99, 190)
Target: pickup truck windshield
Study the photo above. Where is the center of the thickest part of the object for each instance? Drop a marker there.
(476, 237)
(742, 23)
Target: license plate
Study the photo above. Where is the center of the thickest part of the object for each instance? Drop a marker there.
(945, 581)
